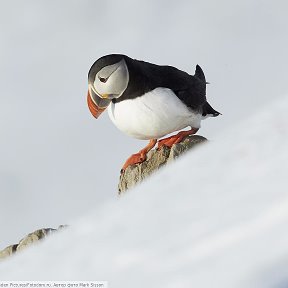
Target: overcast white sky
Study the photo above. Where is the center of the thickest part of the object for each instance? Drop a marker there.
(56, 161)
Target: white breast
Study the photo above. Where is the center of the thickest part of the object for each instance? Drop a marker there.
(153, 115)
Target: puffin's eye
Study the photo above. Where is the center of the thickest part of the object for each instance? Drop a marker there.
(103, 79)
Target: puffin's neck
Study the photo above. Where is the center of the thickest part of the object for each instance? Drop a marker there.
(138, 81)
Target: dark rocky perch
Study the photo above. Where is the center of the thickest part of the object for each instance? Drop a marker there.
(155, 159)
(28, 240)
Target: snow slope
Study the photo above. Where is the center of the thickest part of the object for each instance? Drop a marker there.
(216, 218)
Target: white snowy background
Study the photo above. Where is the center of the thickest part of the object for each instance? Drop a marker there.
(58, 163)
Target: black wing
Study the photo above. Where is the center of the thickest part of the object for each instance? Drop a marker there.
(145, 77)
(194, 94)
(191, 90)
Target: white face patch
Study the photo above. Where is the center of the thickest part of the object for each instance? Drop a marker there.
(111, 80)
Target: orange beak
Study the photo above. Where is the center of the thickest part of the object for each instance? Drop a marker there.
(93, 107)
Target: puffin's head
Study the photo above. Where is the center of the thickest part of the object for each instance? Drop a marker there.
(107, 79)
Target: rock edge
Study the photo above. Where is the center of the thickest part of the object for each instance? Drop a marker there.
(155, 160)
(28, 240)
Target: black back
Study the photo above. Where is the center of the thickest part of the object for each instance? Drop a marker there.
(144, 77)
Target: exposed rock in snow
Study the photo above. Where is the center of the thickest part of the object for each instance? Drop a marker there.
(155, 160)
(8, 251)
(28, 240)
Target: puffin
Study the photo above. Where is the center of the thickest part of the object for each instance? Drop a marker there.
(148, 101)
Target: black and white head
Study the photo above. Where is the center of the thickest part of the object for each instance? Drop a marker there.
(108, 78)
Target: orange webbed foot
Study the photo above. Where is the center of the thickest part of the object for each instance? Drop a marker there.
(168, 142)
(174, 139)
(140, 156)
(134, 159)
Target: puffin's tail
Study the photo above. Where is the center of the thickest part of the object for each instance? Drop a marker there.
(199, 73)
(207, 110)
